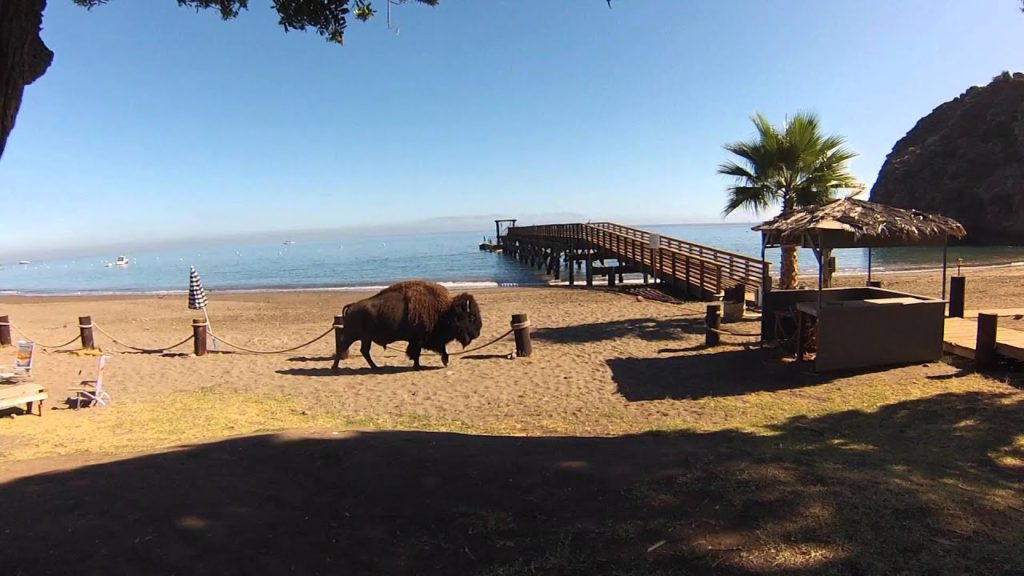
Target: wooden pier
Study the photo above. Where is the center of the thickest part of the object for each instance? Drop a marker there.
(698, 270)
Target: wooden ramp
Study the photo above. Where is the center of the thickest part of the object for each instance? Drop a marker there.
(961, 337)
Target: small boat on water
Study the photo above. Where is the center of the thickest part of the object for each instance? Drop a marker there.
(25, 262)
(289, 242)
(121, 261)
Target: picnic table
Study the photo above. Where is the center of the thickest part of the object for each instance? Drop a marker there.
(27, 393)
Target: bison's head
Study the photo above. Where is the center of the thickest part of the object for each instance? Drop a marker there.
(463, 319)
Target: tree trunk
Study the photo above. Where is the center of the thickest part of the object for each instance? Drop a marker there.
(23, 57)
(788, 268)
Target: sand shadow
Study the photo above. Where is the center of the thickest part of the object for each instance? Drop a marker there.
(720, 373)
(487, 357)
(650, 329)
(311, 359)
(354, 371)
(915, 487)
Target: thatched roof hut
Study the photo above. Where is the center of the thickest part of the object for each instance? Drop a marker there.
(851, 223)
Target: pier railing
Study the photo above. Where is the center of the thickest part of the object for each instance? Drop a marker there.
(739, 268)
(676, 261)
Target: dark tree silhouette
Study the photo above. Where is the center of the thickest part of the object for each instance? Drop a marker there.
(24, 58)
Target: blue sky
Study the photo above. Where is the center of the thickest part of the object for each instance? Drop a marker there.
(157, 122)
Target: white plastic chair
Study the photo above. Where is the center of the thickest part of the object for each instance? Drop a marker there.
(91, 391)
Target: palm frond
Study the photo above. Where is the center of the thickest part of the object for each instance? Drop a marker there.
(796, 164)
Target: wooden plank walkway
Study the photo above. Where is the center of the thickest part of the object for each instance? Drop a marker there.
(961, 335)
(698, 268)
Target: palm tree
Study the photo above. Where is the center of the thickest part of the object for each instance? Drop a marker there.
(795, 166)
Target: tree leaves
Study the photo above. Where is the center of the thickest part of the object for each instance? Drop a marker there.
(328, 18)
(796, 165)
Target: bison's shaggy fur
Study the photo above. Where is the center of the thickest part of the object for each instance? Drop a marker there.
(424, 314)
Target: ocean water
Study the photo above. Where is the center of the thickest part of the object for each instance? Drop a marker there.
(359, 263)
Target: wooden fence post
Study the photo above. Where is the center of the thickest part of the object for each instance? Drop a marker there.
(521, 329)
(199, 336)
(339, 336)
(5, 331)
(85, 331)
(713, 323)
(957, 293)
(985, 345)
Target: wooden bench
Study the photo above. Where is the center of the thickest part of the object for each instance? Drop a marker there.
(18, 394)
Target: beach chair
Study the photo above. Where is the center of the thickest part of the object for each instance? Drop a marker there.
(22, 369)
(91, 391)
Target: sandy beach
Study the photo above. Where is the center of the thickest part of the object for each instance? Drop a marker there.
(604, 363)
(621, 442)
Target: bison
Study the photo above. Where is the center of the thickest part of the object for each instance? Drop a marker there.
(424, 314)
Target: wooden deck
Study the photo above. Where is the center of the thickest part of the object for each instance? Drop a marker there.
(701, 270)
(961, 336)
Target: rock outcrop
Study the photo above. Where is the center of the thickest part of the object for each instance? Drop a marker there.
(965, 160)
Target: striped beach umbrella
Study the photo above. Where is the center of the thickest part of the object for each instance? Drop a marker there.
(196, 294)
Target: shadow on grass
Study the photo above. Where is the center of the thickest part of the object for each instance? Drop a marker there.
(918, 487)
(725, 372)
(650, 329)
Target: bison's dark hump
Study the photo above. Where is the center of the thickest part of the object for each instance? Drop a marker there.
(425, 301)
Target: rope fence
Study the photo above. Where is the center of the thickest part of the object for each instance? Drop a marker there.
(137, 348)
(41, 344)
(251, 351)
(461, 352)
(86, 326)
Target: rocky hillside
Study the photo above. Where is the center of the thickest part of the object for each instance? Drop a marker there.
(965, 160)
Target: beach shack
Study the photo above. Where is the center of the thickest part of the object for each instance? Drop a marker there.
(860, 327)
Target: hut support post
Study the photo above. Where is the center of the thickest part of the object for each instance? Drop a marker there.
(944, 253)
(869, 266)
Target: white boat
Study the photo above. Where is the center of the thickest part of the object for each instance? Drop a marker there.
(25, 262)
(289, 242)
(121, 261)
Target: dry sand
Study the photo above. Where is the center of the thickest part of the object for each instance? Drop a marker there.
(604, 363)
